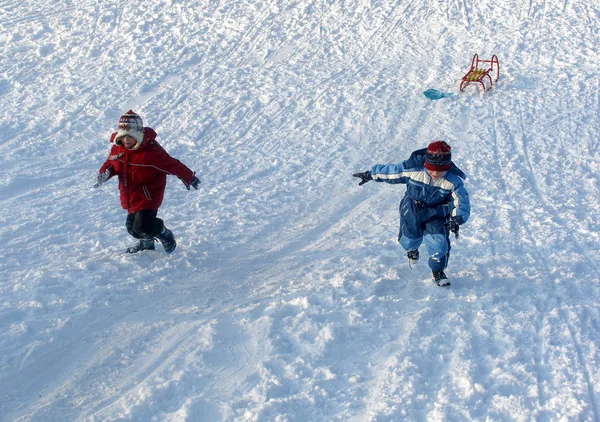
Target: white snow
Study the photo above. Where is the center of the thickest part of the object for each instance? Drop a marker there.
(288, 297)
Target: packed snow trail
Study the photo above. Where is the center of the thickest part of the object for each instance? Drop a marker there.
(288, 297)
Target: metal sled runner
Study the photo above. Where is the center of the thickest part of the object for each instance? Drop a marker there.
(480, 72)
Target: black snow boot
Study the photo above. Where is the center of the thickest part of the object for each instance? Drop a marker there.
(413, 257)
(142, 245)
(439, 278)
(167, 239)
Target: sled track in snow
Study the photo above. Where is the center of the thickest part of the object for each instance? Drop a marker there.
(506, 196)
(246, 129)
(38, 17)
(521, 150)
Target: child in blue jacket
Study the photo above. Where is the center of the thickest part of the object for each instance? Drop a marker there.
(435, 203)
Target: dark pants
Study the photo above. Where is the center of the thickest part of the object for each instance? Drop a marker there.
(144, 224)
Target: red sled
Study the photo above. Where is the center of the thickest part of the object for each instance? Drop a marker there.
(480, 72)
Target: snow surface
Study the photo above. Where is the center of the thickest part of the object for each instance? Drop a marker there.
(288, 297)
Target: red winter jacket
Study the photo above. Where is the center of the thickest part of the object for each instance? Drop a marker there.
(143, 172)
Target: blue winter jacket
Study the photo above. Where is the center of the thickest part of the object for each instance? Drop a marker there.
(447, 191)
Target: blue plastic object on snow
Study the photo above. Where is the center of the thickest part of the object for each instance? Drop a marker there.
(435, 94)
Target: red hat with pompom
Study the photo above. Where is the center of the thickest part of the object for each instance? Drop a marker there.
(439, 156)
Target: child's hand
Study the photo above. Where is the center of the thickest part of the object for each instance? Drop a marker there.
(194, 183)
(453, 226)
(102, 177)
(365, 176)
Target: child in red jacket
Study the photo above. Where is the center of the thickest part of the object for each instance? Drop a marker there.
(142, 166)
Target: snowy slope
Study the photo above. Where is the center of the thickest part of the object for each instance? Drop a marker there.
(288, 297)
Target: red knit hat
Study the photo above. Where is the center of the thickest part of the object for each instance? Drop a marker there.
(130, 124)
(439, 156)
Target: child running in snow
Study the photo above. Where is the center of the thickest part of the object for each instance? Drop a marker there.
(142, 166)
(435, 203)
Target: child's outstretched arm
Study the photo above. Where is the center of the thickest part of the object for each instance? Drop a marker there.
(390, 173)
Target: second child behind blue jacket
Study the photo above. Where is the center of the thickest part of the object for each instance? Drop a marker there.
(435, 203)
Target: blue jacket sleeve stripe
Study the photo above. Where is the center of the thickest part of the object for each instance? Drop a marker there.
(391, 173)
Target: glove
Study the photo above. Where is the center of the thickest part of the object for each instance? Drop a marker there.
(453, 226)
(102, 177)
(365, 176)
(194, 183)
